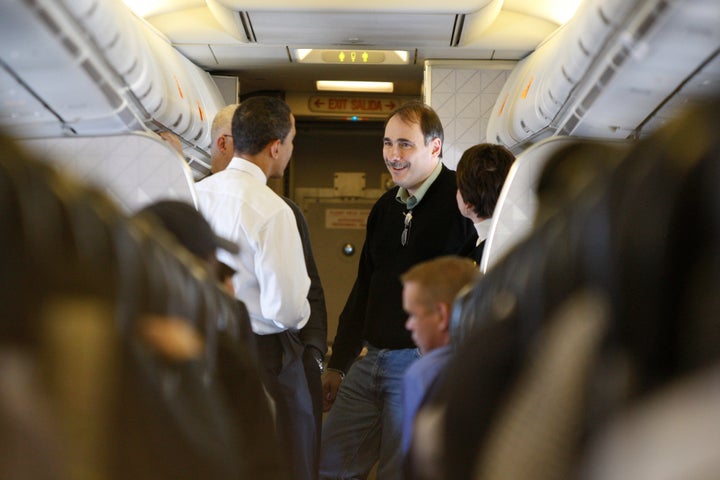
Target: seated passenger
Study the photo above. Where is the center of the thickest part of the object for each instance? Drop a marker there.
(191, 230)
(429, 289)
(237, 360)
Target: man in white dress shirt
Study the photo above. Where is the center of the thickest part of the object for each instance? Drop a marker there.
(271, 277)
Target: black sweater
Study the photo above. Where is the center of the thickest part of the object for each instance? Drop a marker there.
(373, 311)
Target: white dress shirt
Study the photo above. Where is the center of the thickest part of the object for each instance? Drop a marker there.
(482, 228)
(271, 277)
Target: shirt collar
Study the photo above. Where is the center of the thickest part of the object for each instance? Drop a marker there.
(239, 163)
(404, 197)
(482, 228)
(439, 351)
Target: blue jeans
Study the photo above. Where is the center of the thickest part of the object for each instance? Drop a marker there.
(365, 422)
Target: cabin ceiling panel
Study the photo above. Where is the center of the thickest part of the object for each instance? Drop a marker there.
(191, 25)
(554, 11)
(439, 53)
(366, 29)
(510, 31)
(199, 54)
(238, 56)
(256, 39)
(447, 6)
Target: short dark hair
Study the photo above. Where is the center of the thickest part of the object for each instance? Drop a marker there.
(416, 111)
(481, 173)
(259, 121)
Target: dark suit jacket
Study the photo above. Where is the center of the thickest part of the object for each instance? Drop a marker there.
(473, 251)
(314, 333)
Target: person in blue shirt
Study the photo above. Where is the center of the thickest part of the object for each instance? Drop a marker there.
(429, 290)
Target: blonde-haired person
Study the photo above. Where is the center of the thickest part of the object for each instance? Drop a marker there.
(429, 290)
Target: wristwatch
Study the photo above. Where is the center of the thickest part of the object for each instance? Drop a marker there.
(318, 356)
(339, 372)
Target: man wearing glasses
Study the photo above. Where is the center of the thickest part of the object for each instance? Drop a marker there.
(413, 222)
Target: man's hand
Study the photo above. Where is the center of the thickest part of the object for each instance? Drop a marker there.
(173, 141)
(331, 381)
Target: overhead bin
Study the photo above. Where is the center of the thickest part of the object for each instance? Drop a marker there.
(611, 54)
(119, 37)
(56, 86)
(543, 81)
(91, 67)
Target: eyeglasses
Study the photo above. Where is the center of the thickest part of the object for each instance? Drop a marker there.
(408, 223)
(228, 136)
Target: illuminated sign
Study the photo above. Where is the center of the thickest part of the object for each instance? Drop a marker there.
(353, 56)
(352, 105)
(349, 57)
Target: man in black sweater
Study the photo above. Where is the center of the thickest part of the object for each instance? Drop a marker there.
(413, 222)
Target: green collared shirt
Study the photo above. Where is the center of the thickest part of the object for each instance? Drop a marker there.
(404, 197)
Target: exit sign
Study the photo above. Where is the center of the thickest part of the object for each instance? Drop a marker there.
(352, 105)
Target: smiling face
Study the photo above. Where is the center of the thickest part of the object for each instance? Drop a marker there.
(409, 161)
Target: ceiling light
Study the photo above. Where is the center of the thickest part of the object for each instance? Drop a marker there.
(302, 53)
(352, 56)
(148, 8)
(345, 86)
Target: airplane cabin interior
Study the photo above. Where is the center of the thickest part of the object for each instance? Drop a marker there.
(589, 348)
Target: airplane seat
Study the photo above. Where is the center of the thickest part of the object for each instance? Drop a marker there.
(627, 270)
(574, 172)
(174, 421)
(235, 369)
(215, 399)
(517, 203)
(507, 309)
(231, 317)
(118, 402)
(124, 166)
(656, 261)
(697, 235)
(40, 248)
(670, 427)
(57, 334)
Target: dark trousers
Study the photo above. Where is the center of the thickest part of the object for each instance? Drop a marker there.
(314, 381)
(283, 374)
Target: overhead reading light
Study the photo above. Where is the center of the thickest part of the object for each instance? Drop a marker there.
(352, 56)
(345, 86)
